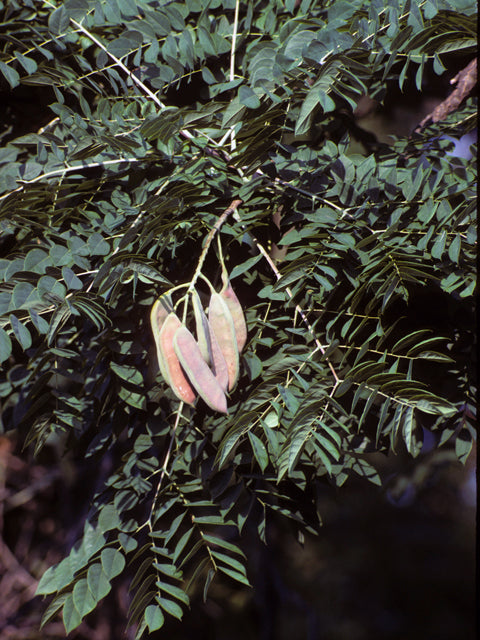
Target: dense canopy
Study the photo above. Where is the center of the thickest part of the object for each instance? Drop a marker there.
(176, 136)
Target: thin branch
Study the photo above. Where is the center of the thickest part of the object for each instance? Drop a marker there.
(162, 475)
(208, 240)
(298, 308)
(330, 396)
(183, 132)
(62, 172)
(166, 460)
(233, 143)
(131, 75)
(288, 185)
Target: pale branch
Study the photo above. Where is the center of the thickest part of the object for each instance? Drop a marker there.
(298, 308)
(166, 460)
(232, 66)
(62, 172)
(183, 132)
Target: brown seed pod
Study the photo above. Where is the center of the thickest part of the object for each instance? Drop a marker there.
(174, 374)
(202, 328)
(221, 324)
(160, 310)
(219, 365)
(198, 372)
(233, 303)
(208, 343)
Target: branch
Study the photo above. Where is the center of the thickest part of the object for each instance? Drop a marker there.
(62, 172)
(298, 308)
(232, 66)
(183, 132)
(163, 470)
(465, 80)
(208, 240)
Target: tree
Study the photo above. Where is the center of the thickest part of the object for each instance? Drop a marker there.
(191, 141)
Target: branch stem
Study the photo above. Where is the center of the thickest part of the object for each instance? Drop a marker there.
(165, 464)
(208, 240)
(232, 66)
(298, 308)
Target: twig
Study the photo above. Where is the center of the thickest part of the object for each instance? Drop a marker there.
(208, 240)
(134, 224)
(10, 562)
(183, 132)
(233, 143)
(165, 465)
(131, 75)
(27, 494)
(298, 308)
(65, 170)
(272, 265)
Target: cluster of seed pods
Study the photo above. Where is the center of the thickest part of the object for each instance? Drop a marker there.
(205, 366)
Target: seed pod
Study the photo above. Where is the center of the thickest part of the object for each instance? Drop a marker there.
(168, 359)
(221, 324)
(160, 310)
(219, 365)
(202, 328)
(199, 373)
(233, 303)
(208, 343)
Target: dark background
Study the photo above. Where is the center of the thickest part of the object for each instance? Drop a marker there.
(391, 563)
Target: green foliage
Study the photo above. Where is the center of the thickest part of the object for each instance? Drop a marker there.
(359, 338)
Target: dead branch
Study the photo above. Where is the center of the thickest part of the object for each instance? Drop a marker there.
(465, 80)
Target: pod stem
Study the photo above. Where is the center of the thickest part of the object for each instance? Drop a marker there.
(222, 263)
(210, 285)
(183, 299)
(208, 240)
